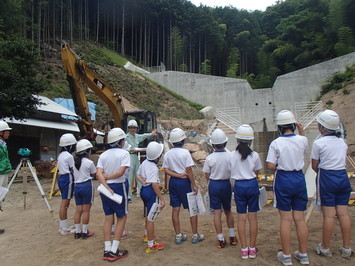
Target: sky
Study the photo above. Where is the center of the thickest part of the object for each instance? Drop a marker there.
(245, 4)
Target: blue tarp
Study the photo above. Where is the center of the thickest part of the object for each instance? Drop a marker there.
(69, 104)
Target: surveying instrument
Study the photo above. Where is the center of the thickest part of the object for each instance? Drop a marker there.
(25, 165)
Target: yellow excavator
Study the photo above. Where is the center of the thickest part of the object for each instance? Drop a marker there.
(80, 75)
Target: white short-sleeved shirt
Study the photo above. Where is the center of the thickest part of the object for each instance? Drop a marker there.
(149, 172)
(87, 168)
(217, 164)
(244, 169)
(111, 161)
(65, 162)
(287, 152)
(177, 160)
(330, 151)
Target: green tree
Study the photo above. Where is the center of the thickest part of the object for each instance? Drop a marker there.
(233, 63)
(206, 67)
(19, 64)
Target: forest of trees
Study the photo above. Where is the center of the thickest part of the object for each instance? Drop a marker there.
(222, 41)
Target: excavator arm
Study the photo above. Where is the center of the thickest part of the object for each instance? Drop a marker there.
(79, 74)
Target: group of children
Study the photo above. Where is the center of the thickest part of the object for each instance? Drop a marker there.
(285, 157)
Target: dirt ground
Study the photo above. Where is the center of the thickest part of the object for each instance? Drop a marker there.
(31, 236)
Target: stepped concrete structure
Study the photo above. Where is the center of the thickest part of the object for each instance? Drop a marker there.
(260, 106)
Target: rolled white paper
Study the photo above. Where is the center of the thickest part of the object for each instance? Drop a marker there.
(115, 197)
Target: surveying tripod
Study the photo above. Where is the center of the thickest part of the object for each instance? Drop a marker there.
(25, 162)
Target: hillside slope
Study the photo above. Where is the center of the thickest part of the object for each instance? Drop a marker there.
(343, 102)
(133, 87)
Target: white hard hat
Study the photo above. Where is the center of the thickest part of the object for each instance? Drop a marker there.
(4, 126)
(154, 150)
(115, 134)
(67, 139)
(245, 132)
(83, 145)
(285, 117)
(218, 137)
(177, 135)
(328, 119)
(132, 123)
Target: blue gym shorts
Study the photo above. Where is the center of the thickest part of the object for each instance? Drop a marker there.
(178, 188)
(84, 193)
(334, 187)
(246, 195)
(149, 198)
(220, 192)
(66, 186)
(110, 207)
(290, 190)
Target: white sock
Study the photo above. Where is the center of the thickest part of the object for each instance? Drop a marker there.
(108, 245)
(245, 249)
(151, 243)
(113, 228)
(145, 231)
(85, 228)
(231, 232)
(195, 235)
(252, 248)
(115, 245)
(63, 224)
(286, 256)
(220, 237)
(303, 254)
(179, 235)
(77, 228)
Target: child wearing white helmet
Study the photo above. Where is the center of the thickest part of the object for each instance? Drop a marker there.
(5, 165)
(66, 180)
(112, 167)
(286, 158)
(84, 171)
(178, 164)
(217, 173)
(134, 139)
(333, 186)
(245, 166)
(148, 175)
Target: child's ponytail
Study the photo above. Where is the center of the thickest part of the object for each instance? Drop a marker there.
(244, 148)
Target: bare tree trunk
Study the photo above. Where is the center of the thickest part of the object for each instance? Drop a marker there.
(71, 21)
(39, 25)
(132, 34)
(61, 21)
(158, 42)
(98, 21)
(113, 26)
(123, 30)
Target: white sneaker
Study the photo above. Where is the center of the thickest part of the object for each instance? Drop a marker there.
(346, 252)
(321, 251)
(303, 259)
(198, 238)
(65, 232)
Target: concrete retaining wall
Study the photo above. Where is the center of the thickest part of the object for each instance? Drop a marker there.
(299, 86)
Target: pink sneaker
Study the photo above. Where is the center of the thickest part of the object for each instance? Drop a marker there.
(244, 254)
(126, 234)
(253, 253)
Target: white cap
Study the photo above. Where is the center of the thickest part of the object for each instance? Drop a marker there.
(245, 132)
(132, 123)
(329, 119)
(177, 135)
(218, 137)
(154, 150)
(83, 145)
(115, 134)
(285, 117)
(67, 139)
(4, 126)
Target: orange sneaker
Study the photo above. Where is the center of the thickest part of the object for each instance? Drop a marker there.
(233, 240)
(156, 247)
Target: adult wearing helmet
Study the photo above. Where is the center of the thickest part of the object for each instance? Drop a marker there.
(134, 139)
(148, 175)
(333, 186)
(245, 166)
(286, 157)
(84, 171)
(66, 180)
(217, 173)
(5, 165)
(112, 168)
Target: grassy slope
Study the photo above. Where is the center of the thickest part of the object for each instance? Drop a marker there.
(135, 88)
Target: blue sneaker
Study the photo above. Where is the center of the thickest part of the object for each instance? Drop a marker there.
(180, 239)
(198, 238)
